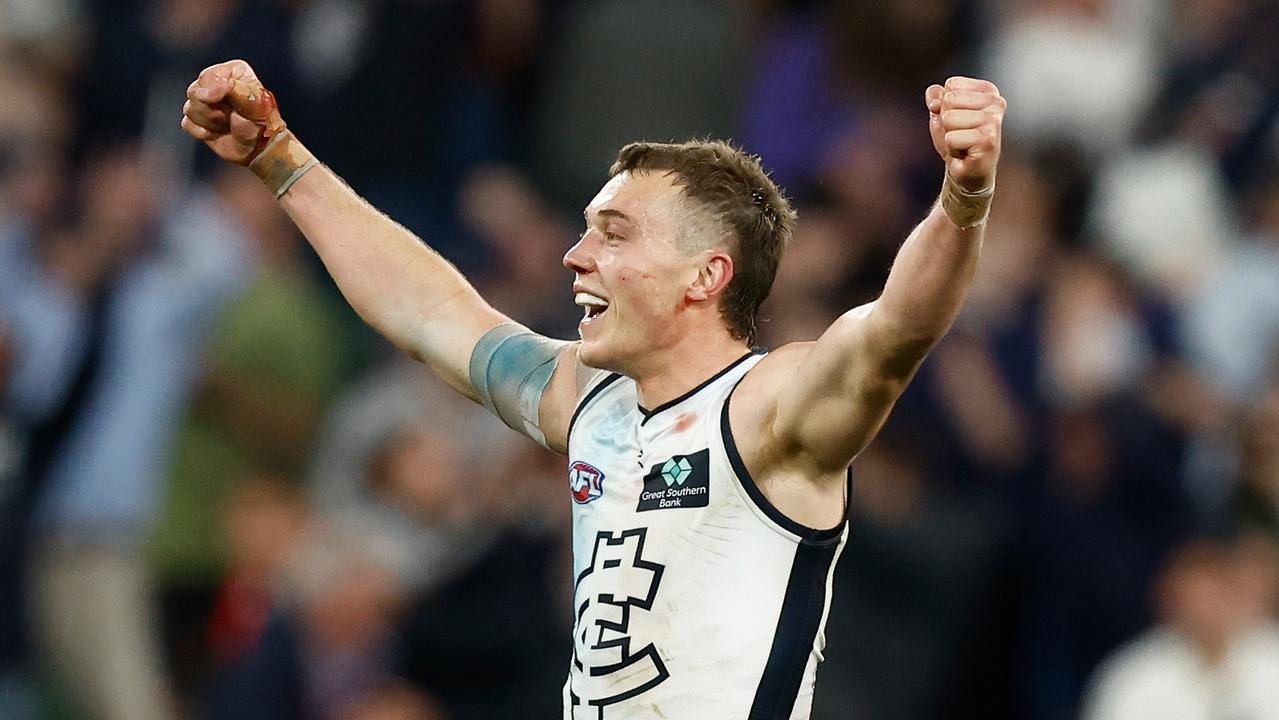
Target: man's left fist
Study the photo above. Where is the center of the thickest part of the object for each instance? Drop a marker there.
(965, 119)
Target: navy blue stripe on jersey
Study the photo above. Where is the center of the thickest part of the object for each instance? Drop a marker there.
(807, 535)
(612, 378)
(648, 414)
(797, 625)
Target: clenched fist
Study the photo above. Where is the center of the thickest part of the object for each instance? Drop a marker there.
(228, 108)
(965, 118)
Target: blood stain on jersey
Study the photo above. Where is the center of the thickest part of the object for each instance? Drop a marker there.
(585, 482)
(685, 421)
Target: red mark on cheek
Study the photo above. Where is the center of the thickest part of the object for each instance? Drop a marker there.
(685, 421)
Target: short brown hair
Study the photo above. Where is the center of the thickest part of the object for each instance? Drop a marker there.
(736, 191)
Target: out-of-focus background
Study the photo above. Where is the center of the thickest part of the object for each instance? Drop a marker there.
(221, 496)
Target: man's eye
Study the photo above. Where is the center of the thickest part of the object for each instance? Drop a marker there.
(612, 236)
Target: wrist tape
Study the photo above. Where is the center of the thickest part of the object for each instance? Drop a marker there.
(282, 162)
(966, 209)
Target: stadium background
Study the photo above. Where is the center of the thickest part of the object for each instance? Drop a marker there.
(1092, 452)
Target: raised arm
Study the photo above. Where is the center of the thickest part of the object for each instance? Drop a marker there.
(400, 286)
(834, 394)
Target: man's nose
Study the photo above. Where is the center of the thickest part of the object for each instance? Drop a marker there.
(578, 258)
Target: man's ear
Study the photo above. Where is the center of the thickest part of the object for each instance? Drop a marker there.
(712, 278)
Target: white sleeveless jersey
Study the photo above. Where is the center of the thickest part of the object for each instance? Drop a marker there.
(694, 597)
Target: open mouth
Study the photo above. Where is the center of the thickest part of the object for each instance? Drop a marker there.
(593, 305)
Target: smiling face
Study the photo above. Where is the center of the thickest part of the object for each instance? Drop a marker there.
(642, 286)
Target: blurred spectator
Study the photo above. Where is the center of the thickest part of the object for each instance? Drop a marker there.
(1104, 522)
(1097, 342)
(1255, 505)
(622, 71)
(1220, 74)
(414, 106)
(918, 39)
(32, 189)
(264, 521)
(1164, 212)
(984, 381)
(6, 357)
(817, 78)
(927, 567)
(1111, 502)
(33, 134)
(328, 645)
(795, 104)
(108, 314)
(1078, 72)
(462, 508)
(275, 358)
(525, 275)
(406, 460)
(1231, 326)
(146, 53)
(812, 275)
(1230, 336)
(1214, 653)
(395, 701)
(48, 32)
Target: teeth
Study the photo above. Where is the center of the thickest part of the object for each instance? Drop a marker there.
(587, 299)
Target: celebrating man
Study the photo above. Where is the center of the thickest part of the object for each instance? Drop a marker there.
(709, 481)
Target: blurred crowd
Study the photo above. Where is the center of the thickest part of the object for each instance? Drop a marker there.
(221, 496)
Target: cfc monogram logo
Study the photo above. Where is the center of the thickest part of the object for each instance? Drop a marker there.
(618, 584)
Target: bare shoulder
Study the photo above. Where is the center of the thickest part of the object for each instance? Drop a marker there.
(754, 403)
(764, 382)
(559, 401)
(776, 464)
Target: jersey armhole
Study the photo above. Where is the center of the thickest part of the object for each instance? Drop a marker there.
(590, 395)
(807, 535)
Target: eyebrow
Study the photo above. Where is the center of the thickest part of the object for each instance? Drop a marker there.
(608, 212)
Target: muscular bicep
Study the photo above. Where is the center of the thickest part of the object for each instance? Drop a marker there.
(836, 393)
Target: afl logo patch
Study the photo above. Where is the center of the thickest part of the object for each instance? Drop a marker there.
(585, 481)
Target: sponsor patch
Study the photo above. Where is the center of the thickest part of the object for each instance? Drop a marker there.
(585, 482)
(681, 482)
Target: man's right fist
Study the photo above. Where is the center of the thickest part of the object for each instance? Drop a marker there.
(228, 108)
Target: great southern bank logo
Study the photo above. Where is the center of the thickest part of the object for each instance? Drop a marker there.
(684, 481)
(585, 482)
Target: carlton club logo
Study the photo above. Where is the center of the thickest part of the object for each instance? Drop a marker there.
(609, 664)
(585, 481)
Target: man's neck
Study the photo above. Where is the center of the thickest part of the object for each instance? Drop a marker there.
(683, 367)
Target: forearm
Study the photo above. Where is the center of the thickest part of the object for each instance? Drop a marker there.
(401, 287)
(926, 286)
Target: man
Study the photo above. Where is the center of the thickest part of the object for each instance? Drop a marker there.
(1215, 650)
(705, 531)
